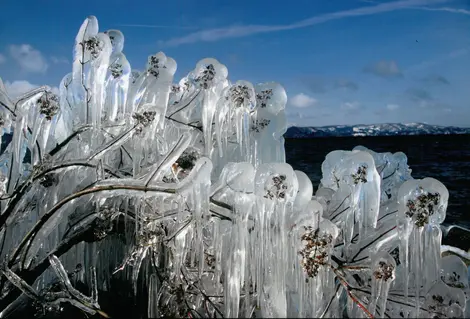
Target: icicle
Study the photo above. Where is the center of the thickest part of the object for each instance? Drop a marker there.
(152, 311)
(383, 275)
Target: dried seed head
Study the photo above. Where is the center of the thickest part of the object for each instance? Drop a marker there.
(48, 105)
(263, 97)
(205, 79)
(94, 46)
(239, 94)
(453, 280)
(187, 160)
(384, 271)
(258, 125)
(360, 175)
(210, 261)
(315, 252)
(149, 237)
(175, 88)
(134, 76)
(103, 225)
(154, 65)
(116, 69)
(422, 208)
(145, 118)
(49, 180)
(276, 188)
(112, 39)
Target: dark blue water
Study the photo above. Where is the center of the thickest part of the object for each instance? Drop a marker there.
(445, 158)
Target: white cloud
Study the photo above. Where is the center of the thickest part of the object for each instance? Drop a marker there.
(443, 58)
(350, 106)
(59, 60)
(385, 69)
(302, 100)
(247, 30)
(29, 59)
(392, 107)
(2, 58)
(17, 88)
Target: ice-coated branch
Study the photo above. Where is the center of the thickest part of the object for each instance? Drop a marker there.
(188, 181)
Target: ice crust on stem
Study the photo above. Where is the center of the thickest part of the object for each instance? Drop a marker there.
(183, 191)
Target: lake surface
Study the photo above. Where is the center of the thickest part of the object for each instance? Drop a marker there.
(445, 158)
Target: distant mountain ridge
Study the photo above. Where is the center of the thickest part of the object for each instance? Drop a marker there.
(386, 129)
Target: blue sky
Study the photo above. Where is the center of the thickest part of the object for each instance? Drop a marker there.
(341, 61)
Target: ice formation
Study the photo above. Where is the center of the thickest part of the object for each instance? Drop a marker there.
(183, 190)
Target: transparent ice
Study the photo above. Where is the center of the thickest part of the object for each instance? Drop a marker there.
(182, 189)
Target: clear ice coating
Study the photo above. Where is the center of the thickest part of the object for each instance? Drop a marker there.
(182, 190)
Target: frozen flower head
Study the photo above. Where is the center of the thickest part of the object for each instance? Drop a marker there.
(241, 95)
(182, 166)
(258, 125)
(444, 302)
(115, 69)
(48, 104)
(271, 97)
(117, 40)
(384, 266)
(348, 168)
(143, 119)
(94, 46)
(149, 237)
(360, 176)
(156, 63)
(103, 224)
(208, 73)
(175, 88)
(315, 252)
(134, 76)
(454, 272)
(49, 180)
(423, 201)
(316, 244)
(276, 182)
(160, 66)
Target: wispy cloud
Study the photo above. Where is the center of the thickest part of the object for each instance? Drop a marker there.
(445, 9)
(238, 31)
(157, 26)
(419, 95)
(2, 58)
(441, 59)
(435, 79)
(320, 85)
(315, 84)
(384, 69)
(350, 106)
(345, 84)
(392, 107)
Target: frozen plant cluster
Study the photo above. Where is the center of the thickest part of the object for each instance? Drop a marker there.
(183, 191)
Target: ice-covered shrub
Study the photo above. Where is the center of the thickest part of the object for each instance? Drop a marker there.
(125, 168)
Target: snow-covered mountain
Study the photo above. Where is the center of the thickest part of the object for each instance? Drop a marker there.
(386, 129)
